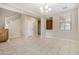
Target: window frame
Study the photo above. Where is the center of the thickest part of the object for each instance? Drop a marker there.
(64, 22)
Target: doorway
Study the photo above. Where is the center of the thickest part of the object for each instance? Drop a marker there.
(39, 27)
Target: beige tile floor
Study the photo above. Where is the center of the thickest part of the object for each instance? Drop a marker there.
(39, 46)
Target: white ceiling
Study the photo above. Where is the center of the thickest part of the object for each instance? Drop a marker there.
(33, 9)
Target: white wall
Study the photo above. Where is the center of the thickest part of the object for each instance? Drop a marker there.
(5, 13)
(14, 27)
(78, 23)
(29, 26)
(13, 21)
(21, 25)
(18, 24)
(1, 18)
(56, 32)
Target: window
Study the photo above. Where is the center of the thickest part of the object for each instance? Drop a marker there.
(65, 24)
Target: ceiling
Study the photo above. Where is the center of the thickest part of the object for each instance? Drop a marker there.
(33, 9)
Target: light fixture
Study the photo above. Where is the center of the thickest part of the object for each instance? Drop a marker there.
(49, 9)
(41, 8)
(46, 6)
(45, 9)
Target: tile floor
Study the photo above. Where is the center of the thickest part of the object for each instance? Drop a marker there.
(39, 46)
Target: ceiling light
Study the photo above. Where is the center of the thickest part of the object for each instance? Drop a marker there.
(49, 9)
(45, 9)
(41, 8)
(46, 6)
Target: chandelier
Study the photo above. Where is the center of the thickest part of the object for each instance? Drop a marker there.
(45, 9)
